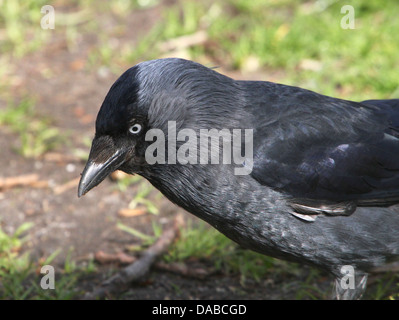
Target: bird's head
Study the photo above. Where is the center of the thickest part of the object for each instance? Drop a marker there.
(148, 96)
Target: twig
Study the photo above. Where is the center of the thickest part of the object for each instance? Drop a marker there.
(390, 267)
(183, 270)
(184, 42)
(179, 268)
(120, 257)
(66, 186)
(126, 212)
(137, 270)
(31, 180)
(59, 157)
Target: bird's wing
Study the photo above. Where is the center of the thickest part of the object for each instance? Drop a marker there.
(331, 157)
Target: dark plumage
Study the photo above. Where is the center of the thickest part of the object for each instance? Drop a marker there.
(324, 170)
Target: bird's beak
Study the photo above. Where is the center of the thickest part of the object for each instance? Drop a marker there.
(96, 171)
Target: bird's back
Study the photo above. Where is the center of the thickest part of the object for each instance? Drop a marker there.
(316, 147)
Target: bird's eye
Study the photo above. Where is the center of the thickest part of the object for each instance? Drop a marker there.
(135, 129)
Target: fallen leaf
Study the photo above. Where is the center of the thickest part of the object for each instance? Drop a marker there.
(118, 175)
(66, 186)
(131, 212)
(77, 65)
(30, 180)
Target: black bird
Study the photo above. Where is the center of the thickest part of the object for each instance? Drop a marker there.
(320, 180)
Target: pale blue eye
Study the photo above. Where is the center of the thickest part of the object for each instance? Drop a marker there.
(135, 129)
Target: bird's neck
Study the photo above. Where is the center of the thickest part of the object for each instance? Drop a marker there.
(213, 194)
(187, 186)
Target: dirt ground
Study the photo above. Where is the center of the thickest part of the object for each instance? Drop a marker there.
(70, 93)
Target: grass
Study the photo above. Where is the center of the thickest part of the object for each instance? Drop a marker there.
(20, 277)
(16, 20)
(141, 196)
(36, 135)
(303, 39)
(203, 243)
(385, 287)
(147, 240)
(10, 245)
